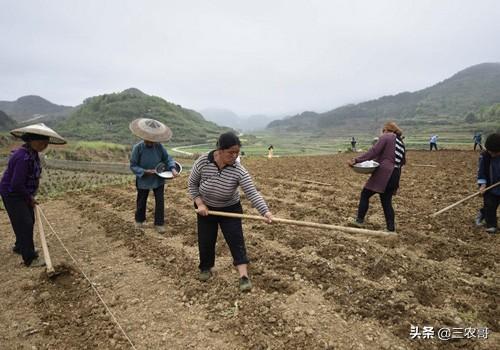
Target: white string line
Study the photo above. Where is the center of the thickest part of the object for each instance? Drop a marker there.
(376, 263)
(91, 283)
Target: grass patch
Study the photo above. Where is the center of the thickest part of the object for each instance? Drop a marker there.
(98, 145)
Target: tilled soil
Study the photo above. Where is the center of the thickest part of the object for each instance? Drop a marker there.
(313, 289)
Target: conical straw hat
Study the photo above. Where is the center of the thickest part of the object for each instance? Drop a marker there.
(150, 130)
(40, 129)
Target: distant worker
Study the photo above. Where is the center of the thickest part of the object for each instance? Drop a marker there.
(487, 175)
(374, 141)
(146, 156)
(19, 186)
(433, 142)
(213, 185)
(270, 151)
(389, 152)
(477, 141)
(353, 144)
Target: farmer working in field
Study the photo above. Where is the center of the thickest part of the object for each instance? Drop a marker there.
(213, 185)
(19, 186)
(433, 142)
(477, 141)
(487, 175)
(270, 150)
(146, 156)
(353, 144)
(389, 151)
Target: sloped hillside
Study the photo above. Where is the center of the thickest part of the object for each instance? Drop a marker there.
(471, 90)
(32, 106)
(106, 117)
(6, 122)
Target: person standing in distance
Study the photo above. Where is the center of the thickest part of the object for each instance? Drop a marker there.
(433, 142)
(353, 144)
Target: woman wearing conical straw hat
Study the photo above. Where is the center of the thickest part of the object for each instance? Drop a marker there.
(19, 186)
(146, 156)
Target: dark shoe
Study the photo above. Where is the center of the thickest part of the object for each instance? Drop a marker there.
(37, 262)
(16, 249)
(479, 220)
(205, 275)
(356, 223)
(245, 284)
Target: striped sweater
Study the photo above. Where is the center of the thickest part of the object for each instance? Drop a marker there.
(400, 153)
(219, 188)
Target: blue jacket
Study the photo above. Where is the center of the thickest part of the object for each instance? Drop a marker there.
(489, 172)
(144, 157)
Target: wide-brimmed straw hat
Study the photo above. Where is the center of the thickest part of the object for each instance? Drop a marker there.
(40, 129)
(150, 130)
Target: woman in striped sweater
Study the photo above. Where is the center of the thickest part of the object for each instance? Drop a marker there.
(213, 185)
(389, 151)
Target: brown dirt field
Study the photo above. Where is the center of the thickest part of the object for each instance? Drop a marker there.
(313, 289)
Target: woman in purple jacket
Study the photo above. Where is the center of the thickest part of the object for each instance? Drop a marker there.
(19, 185)
(389, 152)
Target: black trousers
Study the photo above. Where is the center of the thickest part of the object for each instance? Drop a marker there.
(478, 144)
(22, 219)
(385, 199)
(142, 199)
(433, 145)
(233, 234)
(491, 203)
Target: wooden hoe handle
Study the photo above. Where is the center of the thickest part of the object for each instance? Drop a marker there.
(303, 223)
(46, 255)
(464, 199)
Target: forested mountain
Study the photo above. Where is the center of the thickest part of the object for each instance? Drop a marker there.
(470, 93)
(106, 117)
(33, 107)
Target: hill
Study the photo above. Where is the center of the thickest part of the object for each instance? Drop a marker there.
(33, 107)
(106, 117)
(448, 103)
(229, 118)
(6, 123)
(222, 116)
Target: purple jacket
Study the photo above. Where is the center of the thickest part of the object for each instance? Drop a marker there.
(22, 176)
(383, 152)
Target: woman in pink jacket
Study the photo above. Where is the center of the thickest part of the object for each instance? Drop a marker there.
(389, 152)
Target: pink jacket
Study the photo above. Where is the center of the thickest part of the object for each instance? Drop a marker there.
(383, 152)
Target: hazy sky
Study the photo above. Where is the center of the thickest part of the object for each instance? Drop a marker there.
(251, 57)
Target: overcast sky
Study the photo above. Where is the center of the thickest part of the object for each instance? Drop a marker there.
(272, 57)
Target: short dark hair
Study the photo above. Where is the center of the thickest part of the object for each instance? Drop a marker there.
(492, 143)
(228, 140)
